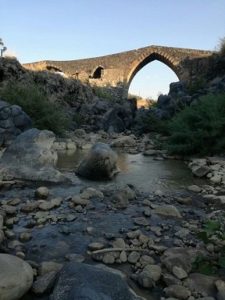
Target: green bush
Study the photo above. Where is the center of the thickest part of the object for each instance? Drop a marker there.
(212, 232)
(222, 47)
(44, 114)
(199, 128)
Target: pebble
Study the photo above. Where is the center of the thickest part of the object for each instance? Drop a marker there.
(133, 257)
(96, 246)
(42, 192)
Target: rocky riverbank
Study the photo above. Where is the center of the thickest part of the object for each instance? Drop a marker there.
(153, 238)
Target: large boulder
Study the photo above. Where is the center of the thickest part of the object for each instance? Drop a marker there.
(31, 157)
(82, 281)
(100, 163)
(13, 121)
(16, 277)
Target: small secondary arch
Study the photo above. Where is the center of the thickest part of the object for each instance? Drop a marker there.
(98, 72)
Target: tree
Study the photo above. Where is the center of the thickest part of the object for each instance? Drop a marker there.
(2, 48)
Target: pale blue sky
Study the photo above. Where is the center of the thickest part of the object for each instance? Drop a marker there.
(71, 29)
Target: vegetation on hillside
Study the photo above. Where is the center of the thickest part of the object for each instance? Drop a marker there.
(33, 100)
(199, 128)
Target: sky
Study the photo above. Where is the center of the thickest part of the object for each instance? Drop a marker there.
(35, 30)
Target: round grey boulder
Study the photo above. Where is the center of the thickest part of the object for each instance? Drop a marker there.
(16, 277)
(100, 163)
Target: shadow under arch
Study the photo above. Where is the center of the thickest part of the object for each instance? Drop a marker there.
(137, 66)
(53, 69)
(97, 73)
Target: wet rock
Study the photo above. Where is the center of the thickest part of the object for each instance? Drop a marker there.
(49, 266)
(121, 198)
(179, 257)
(2, 236)
(177, 291)
(201, 171)
(141, 221)
(75, 257)
(150, 152)
(179, 272)
(80, 133)
(48, 205)
(123, 142)
(220, 285)
(109, 258)
(152, 271)
(119, 243)
(14, 201)
(146, 260)
(167, 210)
(133, 257)
(201, 284)
(16, 277)
(44, 283)
(29, 207)
(123, 256)
(1, 221)
(42, 192)
(90, 192)
(25, 236)
(194, 188)
(96, 246)
(77, 200)
(170, 279)
(10, 210)
(100, 163)
(81, 281)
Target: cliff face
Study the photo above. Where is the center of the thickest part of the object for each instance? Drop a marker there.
(58, 89)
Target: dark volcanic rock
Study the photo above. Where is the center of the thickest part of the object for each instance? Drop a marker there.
(13, 121)
(82, 281)
(100, 163)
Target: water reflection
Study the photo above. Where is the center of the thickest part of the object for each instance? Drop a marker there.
(142, 171)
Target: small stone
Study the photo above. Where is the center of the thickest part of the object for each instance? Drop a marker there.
(14, 201)
(49, 266)
(141, 221)
(119, 243)
(29, 207)
(123, 256)
(77, 200)
(70, 217)
(10, 210)
(108, 258)
(75, 257)
(177, 291)
(168, 210)
(147, 212)
(133, 257)
(1, 221)
(96, 246)
(2, 236)
(91, 193)
(179, 272)
(44, 283)
(42, 192)
(25, 236)
(194, 188)
(146, 260)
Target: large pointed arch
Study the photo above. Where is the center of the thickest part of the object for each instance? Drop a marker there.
(144, 60)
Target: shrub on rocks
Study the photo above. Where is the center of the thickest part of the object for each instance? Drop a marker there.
(199, 128)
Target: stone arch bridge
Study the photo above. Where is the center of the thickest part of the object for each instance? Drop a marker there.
(116, 71)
